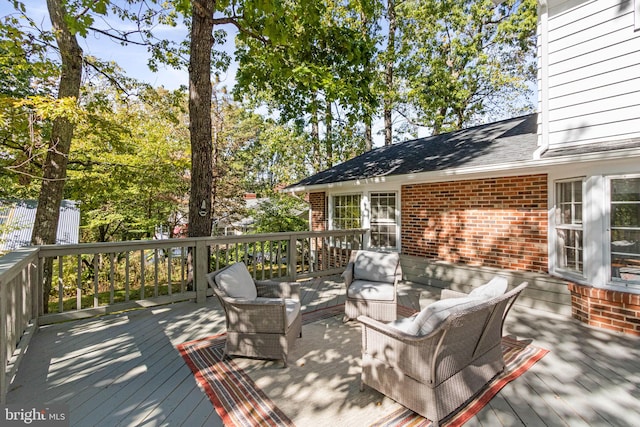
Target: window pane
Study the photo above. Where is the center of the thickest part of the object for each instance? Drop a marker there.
(625, 190)
(625, 215)
(625, 229)
(346, 212)
(569, 226)
(383, 220)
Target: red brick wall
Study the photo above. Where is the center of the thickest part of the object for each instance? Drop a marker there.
(497, 222)
(318, 211)
(617, 311)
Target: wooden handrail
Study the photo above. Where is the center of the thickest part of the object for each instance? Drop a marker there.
(98, 271)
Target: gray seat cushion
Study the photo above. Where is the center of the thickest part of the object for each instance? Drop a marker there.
(236, 282)
(376, 266)
(368, 290)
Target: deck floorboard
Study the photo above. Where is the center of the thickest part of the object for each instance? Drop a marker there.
(124, 369)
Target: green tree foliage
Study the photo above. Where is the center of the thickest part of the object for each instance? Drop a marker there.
(130, 165)
(464, 61)
(314, 68)
(234, 129)
(275, 158)
(281, 213)
(25, 74)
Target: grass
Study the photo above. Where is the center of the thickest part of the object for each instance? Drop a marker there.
(104, 298)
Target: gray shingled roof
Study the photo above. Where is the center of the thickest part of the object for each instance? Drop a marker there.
(505, 141)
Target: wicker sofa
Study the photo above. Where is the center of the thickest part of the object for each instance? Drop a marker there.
(263, 317)
(436, 360)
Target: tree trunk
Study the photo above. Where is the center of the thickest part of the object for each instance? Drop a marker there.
(328, 118)
(55, 168)
(200, 118)
(389, 68)
(368, 135)
(315, 139)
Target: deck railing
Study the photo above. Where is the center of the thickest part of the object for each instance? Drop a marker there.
(96, 278)
(19, 299)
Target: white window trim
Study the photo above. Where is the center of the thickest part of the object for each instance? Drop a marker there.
(611, 281)
(553, 235)
(397, 215)
(332, 205)
(365, 210)
(596, 220)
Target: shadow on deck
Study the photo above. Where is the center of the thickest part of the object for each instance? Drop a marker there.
(124, 369)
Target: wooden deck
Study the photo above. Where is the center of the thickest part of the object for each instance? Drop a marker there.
(124, 369)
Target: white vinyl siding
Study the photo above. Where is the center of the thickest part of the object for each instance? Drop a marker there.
(593, 72)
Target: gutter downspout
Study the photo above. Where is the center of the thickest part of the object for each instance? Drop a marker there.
(543, 13)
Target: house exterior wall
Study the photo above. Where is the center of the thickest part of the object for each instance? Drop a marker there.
(318, 211)
(589, 72)
(607, 309)
(496, 222)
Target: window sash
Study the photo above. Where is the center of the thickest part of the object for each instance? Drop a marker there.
(383, 224)
(624, 230)
(347, 212)
(569, 226)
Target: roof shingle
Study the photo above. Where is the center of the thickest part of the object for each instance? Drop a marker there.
(505, 141)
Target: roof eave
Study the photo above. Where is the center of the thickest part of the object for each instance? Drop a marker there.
(507, 169)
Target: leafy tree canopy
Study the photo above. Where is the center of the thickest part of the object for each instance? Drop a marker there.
(465, 61)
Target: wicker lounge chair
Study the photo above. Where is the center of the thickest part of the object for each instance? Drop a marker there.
(263, 317)
(371, 279)
(435, 361)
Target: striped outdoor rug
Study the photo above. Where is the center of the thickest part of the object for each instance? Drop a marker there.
(240, 402)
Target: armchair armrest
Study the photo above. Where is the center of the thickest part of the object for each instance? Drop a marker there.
(347, 275)
(273, 289)
(265, 315)
(410, 354)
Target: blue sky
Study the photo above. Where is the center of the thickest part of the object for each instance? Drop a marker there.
(131, 58)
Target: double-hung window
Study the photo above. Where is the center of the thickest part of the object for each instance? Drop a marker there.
(346, 212)
(625, 230)
(569, 227)
(383, 225)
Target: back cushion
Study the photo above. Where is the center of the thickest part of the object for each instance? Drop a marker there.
(494, 288)
(435, 313)
(376, 266)
(236, 281)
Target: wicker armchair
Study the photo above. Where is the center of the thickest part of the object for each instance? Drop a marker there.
(371, 279)
(263, 317)
(434, 367)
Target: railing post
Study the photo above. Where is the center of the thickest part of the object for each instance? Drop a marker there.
(201, 269)
(3, 341)
(292, 258)
(366, 239)
(40, 286)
